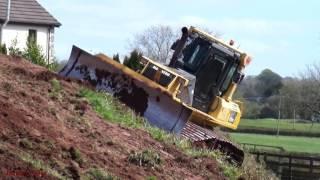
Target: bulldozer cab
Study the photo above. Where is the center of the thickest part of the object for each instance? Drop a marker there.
(214, 64)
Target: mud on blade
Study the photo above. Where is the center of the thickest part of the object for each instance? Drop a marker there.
(139, 93)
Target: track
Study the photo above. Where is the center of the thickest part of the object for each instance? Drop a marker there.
(205, 138)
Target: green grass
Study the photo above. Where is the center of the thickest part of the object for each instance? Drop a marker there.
(111, 109)
(289, 143)
(284, 124)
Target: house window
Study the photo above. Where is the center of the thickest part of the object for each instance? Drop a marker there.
(32, 35)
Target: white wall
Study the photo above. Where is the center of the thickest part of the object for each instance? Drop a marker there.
(21, 32)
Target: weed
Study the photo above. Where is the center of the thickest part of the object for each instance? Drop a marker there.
(50, 144)
(55, 84)
(146, 158)
(13, 49)
(25, 143)
(76, 155)
(151, 178)
(38, 164)
(99, 174)
(56, 88)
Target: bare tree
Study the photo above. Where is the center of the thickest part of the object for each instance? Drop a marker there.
(291, 98)
(155, 42)
(311, 88)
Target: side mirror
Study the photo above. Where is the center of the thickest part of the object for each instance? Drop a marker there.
(184, 31)
(238, 77)
(175, 44)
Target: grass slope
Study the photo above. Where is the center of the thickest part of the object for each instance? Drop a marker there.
(111, 109)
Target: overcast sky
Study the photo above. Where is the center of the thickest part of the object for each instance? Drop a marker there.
(281, 35)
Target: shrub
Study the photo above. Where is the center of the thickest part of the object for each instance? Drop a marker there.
(133, 61)
(33, 53)
(3, 49)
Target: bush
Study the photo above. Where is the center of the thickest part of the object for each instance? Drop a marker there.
(133, 61)
(3, 49)
(33, 53)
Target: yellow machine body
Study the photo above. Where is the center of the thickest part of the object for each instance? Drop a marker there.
(223, 112)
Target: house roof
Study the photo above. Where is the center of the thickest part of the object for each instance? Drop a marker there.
(27, 12)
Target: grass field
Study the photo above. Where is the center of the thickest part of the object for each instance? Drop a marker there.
(283, 125)
(289, 143)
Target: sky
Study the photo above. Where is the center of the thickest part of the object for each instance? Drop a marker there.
(283, 36)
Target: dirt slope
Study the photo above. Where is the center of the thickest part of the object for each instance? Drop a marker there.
(45, 135)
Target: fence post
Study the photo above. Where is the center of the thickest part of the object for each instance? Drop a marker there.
(265, 157)
(290, 166)
(311, 165)
(279, 167)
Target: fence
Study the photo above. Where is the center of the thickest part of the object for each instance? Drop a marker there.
(288, 166)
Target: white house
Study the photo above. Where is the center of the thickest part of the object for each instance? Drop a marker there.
(22, 19)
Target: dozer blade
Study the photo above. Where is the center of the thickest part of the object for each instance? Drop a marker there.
(138, 92)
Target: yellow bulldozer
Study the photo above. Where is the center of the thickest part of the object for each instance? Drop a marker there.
(187, 97)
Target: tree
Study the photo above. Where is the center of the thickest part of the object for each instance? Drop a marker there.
(116, 57)
(310, 85)
(291, 98)
(261, 94)
(133, 61)
(252, 109)
(269, 83)
(301, 96)
(155, 42)
(247, 87)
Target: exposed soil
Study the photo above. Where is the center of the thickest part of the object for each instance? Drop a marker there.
(62, 131)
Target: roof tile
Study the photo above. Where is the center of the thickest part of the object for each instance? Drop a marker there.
(27, 11)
